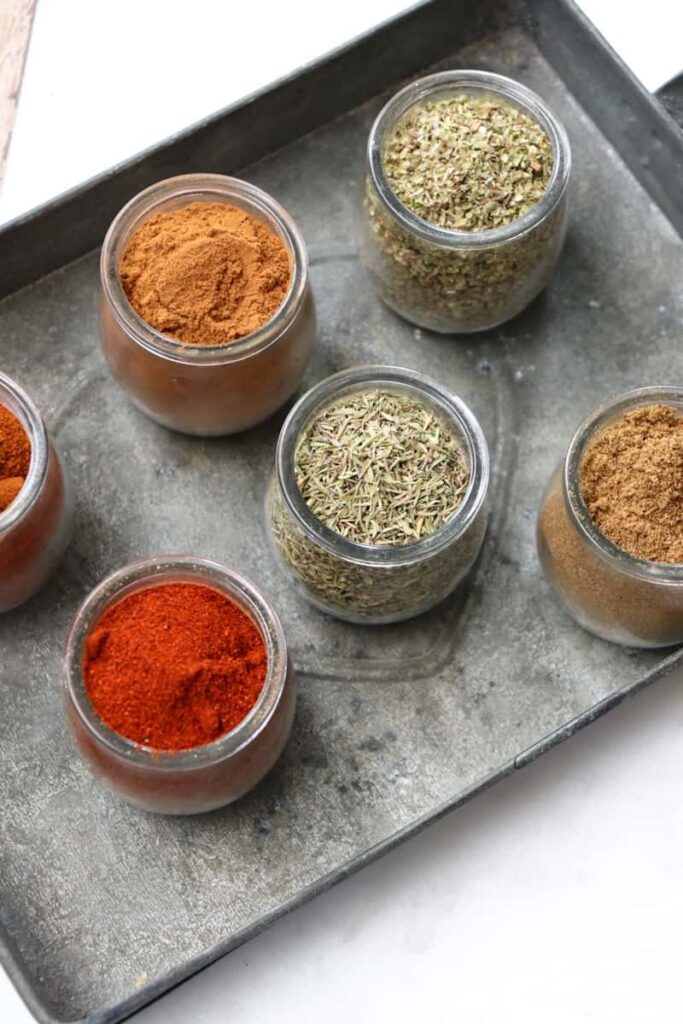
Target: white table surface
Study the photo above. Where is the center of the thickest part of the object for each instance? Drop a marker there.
(557, 895)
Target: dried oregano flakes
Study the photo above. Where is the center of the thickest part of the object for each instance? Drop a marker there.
(380, 467)
(467, 162)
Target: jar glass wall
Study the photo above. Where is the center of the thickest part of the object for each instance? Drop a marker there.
(367, 583)
(460, 281)
(206, 389)
(608, 591)
(36, 528)
(202, 778)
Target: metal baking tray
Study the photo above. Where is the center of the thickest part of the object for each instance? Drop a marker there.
(105, 907)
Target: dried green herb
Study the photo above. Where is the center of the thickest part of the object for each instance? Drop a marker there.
(455, 164)
(377, 467)
(468, 163)
(369, 593)
(380, 467)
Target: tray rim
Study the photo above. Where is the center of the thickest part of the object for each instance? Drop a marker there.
(30, 225)
(24, 237)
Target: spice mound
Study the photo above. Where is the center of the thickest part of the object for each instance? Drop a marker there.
(174, 666)
(632, 483)
(468, 163)
(205, 274)
(15, 457)
(379, 467)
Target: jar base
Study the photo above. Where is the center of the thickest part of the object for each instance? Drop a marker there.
(448, 332)
(627, 642)
(189, 431)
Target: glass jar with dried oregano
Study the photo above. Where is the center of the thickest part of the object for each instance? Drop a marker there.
(377, 507)
(610, 526)
(464, 203)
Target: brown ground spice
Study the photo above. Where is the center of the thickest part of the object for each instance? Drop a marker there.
(15, 457)
(612, 603)
(205, 274)
(632, 483)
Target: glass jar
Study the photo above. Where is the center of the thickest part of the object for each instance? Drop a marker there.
(367, 583)
(206, 777)
(36, 528)
(206, 389)
(608, 591)
(460, 281)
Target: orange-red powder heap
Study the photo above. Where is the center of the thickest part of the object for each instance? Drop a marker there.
(15, 457)
(174, 666)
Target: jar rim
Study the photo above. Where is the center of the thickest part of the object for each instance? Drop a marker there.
(155, 571)
(223, 188)
(471, 80)
(26, 411)
(453, 409)
(592, 425)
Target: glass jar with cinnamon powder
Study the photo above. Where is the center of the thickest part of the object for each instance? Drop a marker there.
(178, 688)
(610, 526)
(35, 501)
(207, 316)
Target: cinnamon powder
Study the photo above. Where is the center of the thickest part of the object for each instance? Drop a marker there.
(632, 483)
(15, 457)
(205, 274)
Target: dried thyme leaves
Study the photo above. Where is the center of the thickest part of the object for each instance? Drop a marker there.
(363, 592)
(468, 163)
(379, 467)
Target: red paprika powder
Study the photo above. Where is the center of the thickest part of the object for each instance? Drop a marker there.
(15, 457)
(174, 666)
(35, 505)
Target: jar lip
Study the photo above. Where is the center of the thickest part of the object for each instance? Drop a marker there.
(154, 571)
(395, 378)
(488, 82)
(192, 186)
(592, 425)
(26, 411)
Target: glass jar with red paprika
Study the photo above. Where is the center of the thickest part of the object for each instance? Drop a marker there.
(36, 511)
(204, 252)
(179, 690)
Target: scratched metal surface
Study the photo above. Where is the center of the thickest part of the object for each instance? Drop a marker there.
(105, 906)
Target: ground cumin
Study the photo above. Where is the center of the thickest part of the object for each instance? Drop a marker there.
(632, 483)
(15, 457)
(604, 599)
(205, 274)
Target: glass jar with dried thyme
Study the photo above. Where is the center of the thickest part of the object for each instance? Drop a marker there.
(610, 526)
(465, 197)
(377, 507)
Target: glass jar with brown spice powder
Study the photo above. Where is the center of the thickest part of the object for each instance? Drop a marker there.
(207, 315)
(35, 499)
(610, 527)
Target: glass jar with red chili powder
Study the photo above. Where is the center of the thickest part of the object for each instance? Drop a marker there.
(178, 686)
(35, 499)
